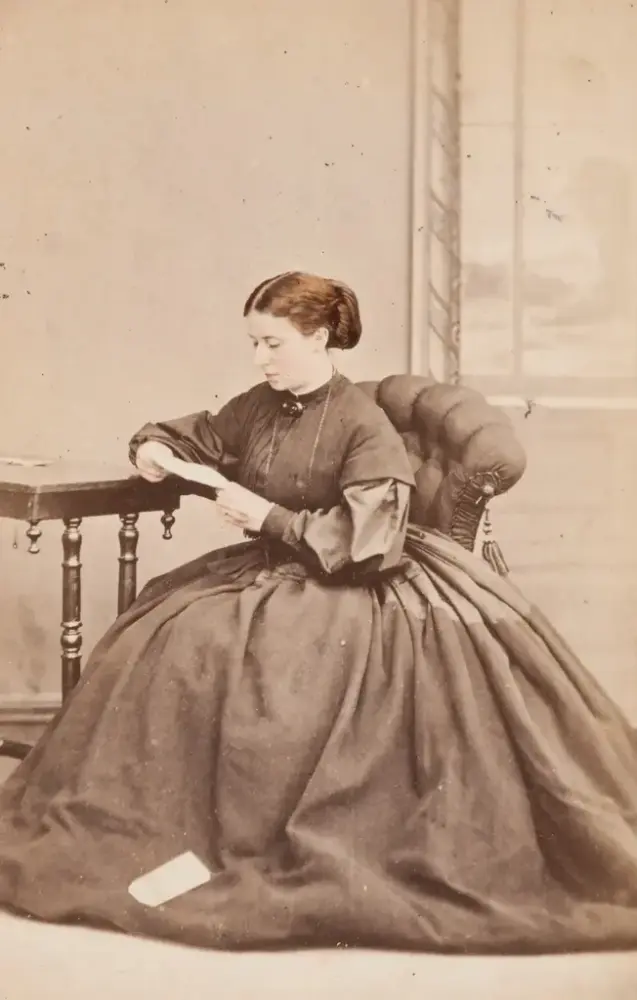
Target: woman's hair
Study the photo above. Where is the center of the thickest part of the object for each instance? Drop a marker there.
(309, 303)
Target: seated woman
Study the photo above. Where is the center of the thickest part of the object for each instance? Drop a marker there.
(340, 731)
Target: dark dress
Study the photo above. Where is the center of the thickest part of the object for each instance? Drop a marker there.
(366, 735)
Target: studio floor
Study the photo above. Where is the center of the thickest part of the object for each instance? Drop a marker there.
(59, 963)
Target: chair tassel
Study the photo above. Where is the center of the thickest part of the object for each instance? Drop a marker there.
(491, 551)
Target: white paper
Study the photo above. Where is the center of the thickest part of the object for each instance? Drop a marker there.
(195, 473)
(172, 879)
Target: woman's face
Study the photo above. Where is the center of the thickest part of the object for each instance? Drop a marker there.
(287, 358)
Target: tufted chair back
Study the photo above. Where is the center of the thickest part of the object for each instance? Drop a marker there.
(463, 450)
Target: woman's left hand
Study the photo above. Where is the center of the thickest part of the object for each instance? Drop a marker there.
(242, 508)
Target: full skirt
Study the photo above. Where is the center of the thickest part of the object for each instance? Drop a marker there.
(418, 762)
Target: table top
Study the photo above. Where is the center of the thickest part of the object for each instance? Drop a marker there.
(42, 475)
(40, 489)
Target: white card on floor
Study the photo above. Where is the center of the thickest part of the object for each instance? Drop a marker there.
(172, 879)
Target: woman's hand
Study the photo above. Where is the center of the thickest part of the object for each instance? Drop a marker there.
(241, 508)
(149, 460)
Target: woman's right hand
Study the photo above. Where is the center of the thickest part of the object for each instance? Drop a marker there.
(149, 460)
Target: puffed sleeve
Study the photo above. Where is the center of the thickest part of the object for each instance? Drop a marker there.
(212, 439)
(361, 536)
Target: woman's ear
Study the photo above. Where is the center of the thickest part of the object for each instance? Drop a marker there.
(321, 337)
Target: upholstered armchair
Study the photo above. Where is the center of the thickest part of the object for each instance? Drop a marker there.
(463, 452)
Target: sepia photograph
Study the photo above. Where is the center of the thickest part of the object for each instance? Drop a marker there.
(318, 466)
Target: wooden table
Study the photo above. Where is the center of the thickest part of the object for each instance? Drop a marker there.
(69, 492)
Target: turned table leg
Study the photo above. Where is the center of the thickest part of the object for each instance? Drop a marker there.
(71, 640)
(127, 582)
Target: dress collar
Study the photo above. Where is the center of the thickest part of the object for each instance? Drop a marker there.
(289, 401)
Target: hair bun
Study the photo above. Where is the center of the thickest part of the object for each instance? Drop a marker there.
(346, 327)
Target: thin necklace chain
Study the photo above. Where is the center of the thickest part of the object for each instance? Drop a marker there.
(318, 433)
(268, 461)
